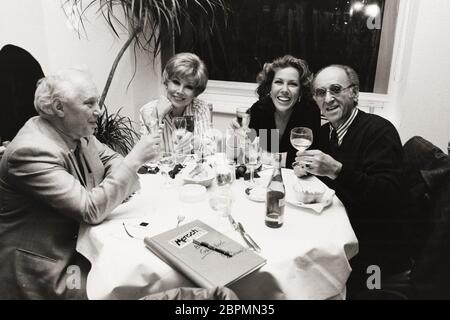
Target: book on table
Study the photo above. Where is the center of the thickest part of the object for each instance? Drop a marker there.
(205, 266)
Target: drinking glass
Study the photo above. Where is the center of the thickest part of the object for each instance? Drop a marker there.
(152, 125)
(243, 118)
(150, 121)
(252, 158)
(225, 173)
(232, 144)
(178, 134)
(166, 163)
(190, 123)
(220, 200)
(301, 138)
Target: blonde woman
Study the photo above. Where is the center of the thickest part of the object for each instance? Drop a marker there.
(185, 77)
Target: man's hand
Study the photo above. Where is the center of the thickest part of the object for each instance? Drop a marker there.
(320, 164)
(145, 150)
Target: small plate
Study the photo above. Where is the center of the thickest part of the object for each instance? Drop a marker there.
(318, 207)
(257, 194)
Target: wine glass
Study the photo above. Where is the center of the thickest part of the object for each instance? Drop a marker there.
(301, 138)
(152, 124)
(190, 123)
(166, 163)
(243, 118)
(252, 158)
(150, 121)
(225, 173)
(180, 126)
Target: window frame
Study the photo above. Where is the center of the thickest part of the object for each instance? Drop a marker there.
(229, 95)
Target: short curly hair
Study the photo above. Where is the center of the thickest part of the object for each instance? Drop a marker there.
(265, 77)
(187, 65)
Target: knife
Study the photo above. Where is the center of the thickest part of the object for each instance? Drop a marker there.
(236, 227)
(248, 238)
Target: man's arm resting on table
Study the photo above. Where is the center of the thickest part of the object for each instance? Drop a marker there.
(44, 177)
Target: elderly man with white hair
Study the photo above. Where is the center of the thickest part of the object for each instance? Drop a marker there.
(54, 175)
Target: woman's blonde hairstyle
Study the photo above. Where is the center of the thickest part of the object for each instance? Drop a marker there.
(187, 65)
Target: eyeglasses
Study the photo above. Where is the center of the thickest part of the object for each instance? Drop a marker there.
(334, 90)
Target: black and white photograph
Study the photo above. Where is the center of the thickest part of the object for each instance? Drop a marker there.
(245, 151)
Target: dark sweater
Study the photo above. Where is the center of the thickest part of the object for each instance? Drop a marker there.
(369, 185)
(304, 114)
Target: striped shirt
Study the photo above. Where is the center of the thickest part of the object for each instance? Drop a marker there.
(197, 108)
(343, 128)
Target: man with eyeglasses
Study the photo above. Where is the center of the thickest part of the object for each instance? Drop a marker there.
(360, 156)
(55, 174)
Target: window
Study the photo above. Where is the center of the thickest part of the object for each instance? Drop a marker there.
(359, 33)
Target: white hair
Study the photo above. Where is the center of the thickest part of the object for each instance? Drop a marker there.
(54, 88)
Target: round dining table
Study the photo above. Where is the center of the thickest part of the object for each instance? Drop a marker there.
(307, 257)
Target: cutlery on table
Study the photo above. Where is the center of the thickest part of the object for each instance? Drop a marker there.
(238, 227)
(248, 237)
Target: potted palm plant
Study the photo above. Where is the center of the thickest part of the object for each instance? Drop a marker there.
(150, 25)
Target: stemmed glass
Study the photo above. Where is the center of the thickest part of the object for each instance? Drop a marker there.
(301, 138)
(243, 118)
(252, 158)
(150, 121)
(225, 172)
(166, 163)
(180, 125)
(153, 126)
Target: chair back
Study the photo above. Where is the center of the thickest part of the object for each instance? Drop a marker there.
(427, 171)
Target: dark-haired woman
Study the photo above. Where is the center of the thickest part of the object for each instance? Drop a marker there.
(284, 103)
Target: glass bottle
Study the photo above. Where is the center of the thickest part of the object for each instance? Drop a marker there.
(214, 136)
(276, 193)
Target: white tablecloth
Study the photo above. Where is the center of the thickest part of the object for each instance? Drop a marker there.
(307, 258)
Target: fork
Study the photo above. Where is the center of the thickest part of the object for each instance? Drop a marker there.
(236, 228)
(180, 219)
